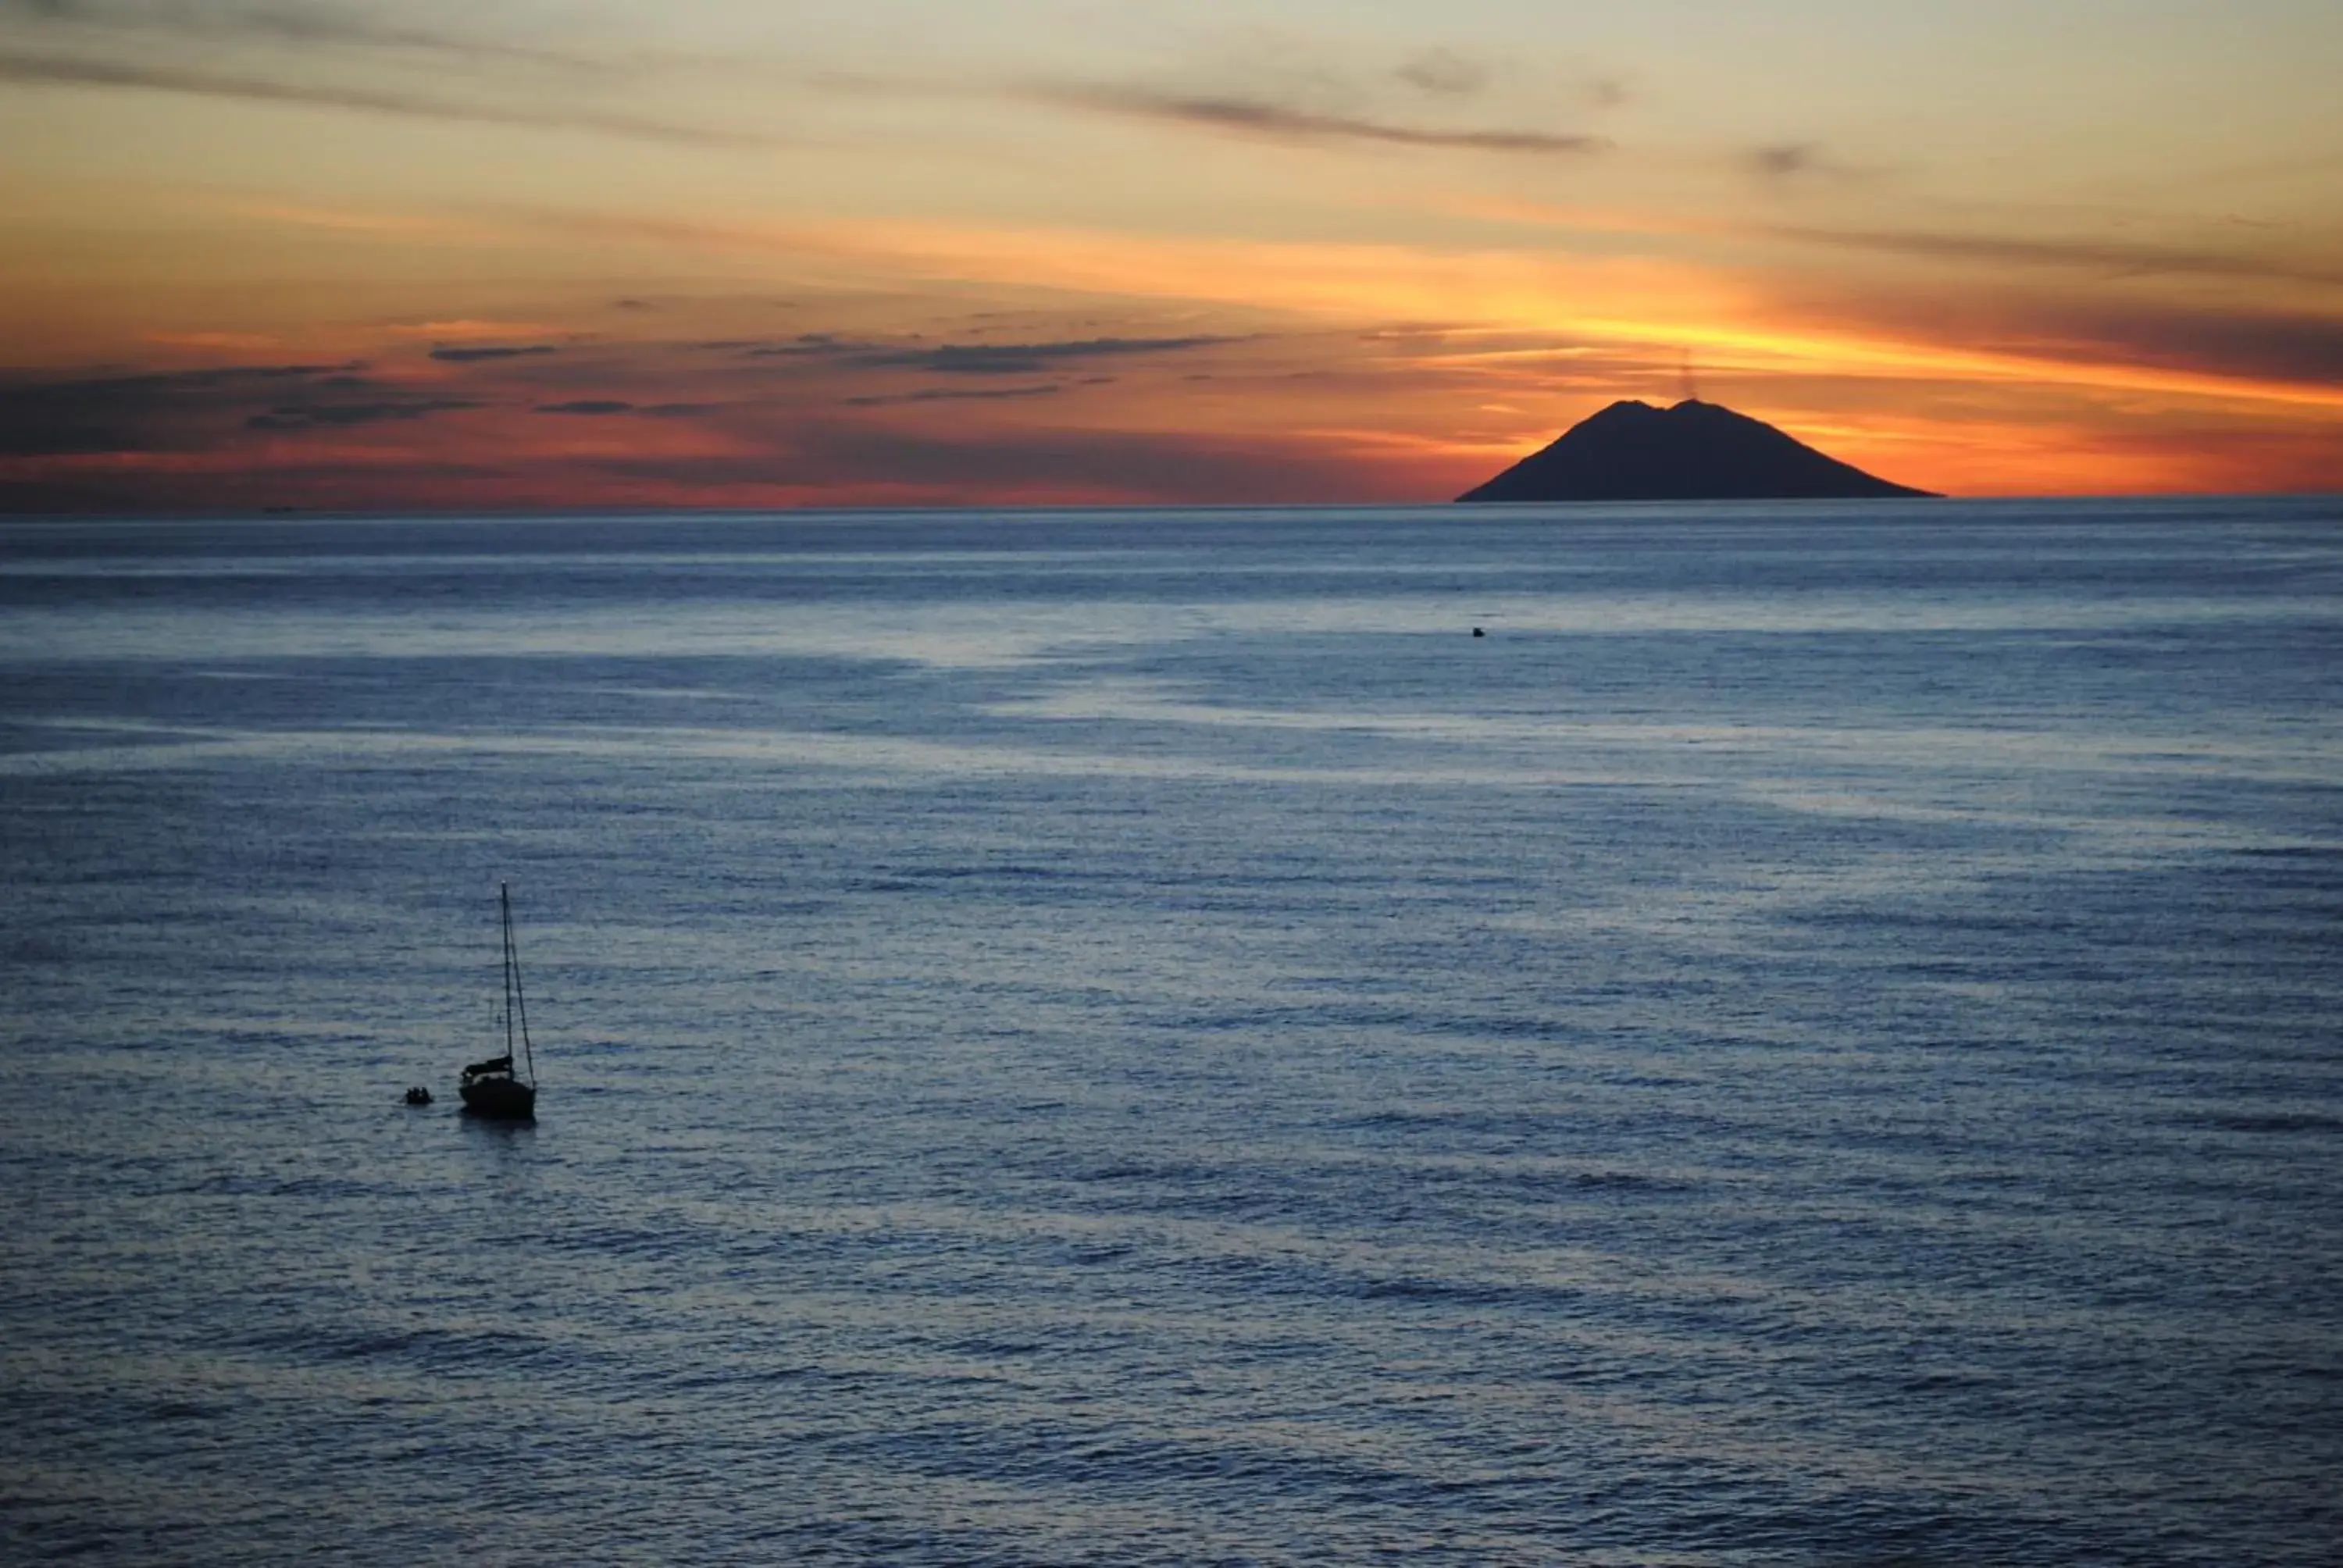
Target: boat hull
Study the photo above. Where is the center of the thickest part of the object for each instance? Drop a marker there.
(499, 1099)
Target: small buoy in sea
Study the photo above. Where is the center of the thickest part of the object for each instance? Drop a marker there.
(418, 1095)
(1476, 631)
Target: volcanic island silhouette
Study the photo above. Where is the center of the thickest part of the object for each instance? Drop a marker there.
(1694, 451)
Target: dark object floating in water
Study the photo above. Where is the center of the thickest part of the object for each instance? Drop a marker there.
(418, 1095)
(1478, 632)
(1694, 451)
(492, 1088)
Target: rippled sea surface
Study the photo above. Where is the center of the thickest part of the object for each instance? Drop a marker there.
(1136, 1039)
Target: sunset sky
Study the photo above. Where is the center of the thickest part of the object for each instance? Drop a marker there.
(515, 253)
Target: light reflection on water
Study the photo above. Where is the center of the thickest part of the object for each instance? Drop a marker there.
(1133, 1039)
(958, 637)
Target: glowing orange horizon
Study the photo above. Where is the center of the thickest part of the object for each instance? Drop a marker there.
(1318, 361)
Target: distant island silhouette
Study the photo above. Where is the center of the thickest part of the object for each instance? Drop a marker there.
(1694, 451)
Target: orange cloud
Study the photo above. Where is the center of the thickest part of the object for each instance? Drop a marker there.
(467, 331)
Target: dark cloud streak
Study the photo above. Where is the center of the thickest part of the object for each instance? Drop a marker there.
(468, 356)
(1782, 160)
(960, 358)
(1444, 72)
(300, 25)
(1282, 122)
(341, 416)
(2109, 255)
(2255, 345)
(607, 406)
(29, 69)
(1021, 358)
(952, 395)
(2094, 328)
(806, 345)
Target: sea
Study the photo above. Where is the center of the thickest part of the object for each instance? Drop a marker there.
(1787, 1034)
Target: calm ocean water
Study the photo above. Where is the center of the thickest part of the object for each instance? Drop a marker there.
(1135, 1039)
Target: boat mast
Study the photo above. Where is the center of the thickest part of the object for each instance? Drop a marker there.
(504, 903)
(514, 998)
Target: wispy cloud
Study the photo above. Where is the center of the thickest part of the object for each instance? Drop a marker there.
(805, 346)
(959, 358)
(341, 416)
(2113, 256)
(606, 407)
(1780, 161)
(466, 355)
(1444, 72)
(2120, 256)
(1263, 118)
(297, 24)
(2277, 348)
(33, 69)
(1023, 358)
(952, 395)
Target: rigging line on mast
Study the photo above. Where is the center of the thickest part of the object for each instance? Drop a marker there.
(512, 971)
(505, 906)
